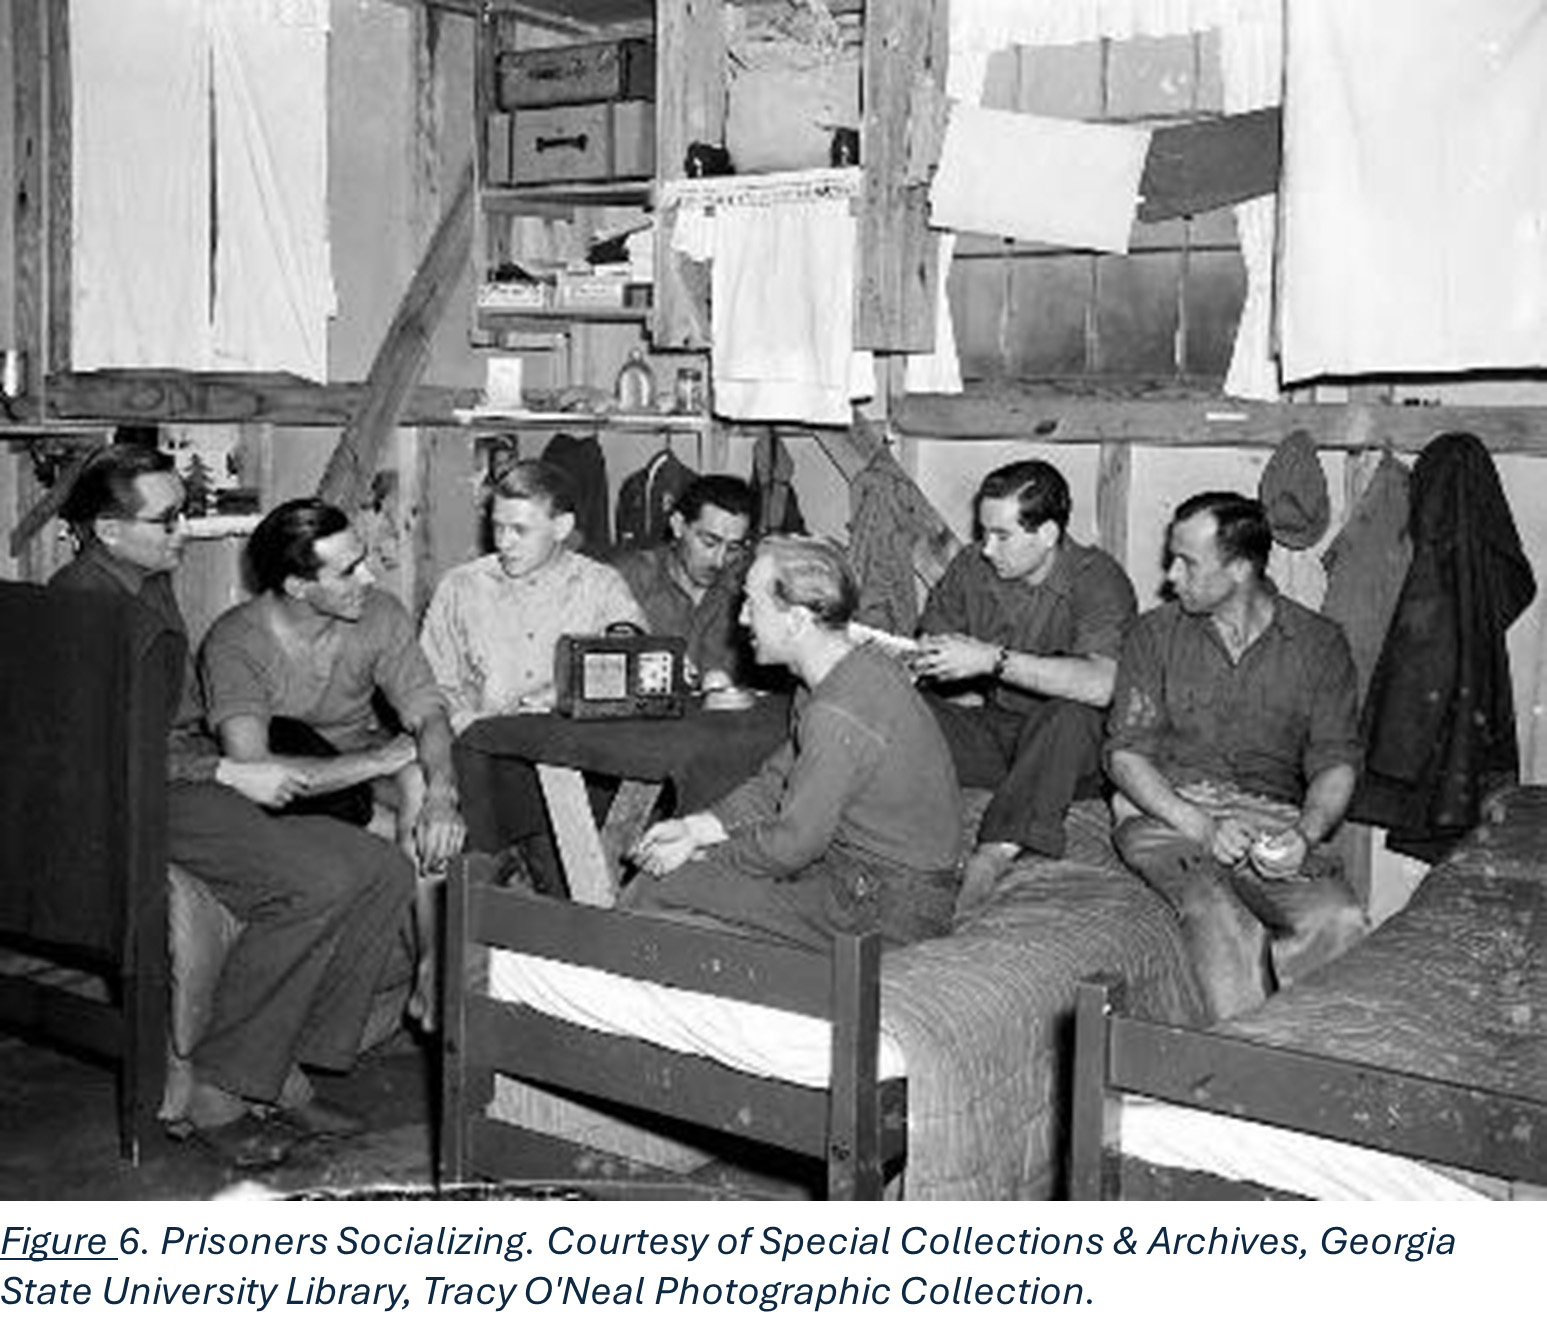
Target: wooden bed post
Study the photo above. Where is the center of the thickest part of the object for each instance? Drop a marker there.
(854, 1169)
(1096, 1000)
(456, 1094)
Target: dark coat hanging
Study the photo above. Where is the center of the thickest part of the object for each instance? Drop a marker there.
(1439, 724)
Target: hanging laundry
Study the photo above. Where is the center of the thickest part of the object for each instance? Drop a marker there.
(1039, 179)
(580, 457)
(1198, 167)
(646, 499)
(778, 509)
(1439, 726)
(1366, 565)
(888, 516)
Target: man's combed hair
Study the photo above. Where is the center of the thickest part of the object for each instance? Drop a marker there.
(814, 573)
(284, 544)
(536, 480)
(105, 486)
(1241, 523)
(1039, 487)
(732, 494)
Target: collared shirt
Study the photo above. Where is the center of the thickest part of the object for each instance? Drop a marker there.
(710, 627)
(245, 671)
(192, 756)
(490, 637)
(1268, 723)
(1082, 608)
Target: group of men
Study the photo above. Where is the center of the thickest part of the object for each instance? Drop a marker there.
(1224, 719)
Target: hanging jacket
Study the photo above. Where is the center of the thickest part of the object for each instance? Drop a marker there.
(580, 456)
(1439, 725)
(646, 500)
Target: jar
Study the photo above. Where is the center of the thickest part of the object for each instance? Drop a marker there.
(690, 390)
(636, 384)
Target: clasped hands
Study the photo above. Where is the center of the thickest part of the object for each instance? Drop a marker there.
(668, 844)
(951, 657)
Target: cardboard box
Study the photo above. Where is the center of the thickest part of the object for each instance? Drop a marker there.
(566, 75)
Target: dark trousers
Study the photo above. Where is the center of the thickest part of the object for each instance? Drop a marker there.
(1037, 764)
(838, 893)
(324, 907)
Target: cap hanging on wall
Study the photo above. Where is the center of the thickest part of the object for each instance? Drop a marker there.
(1293, 490)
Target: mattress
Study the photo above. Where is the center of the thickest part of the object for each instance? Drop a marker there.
(750, 1038)
(1237, 1149)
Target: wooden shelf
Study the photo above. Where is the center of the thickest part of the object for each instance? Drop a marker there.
(543, 197)
(519, 417)
(552, 318)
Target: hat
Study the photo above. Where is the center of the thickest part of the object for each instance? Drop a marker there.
(1293, 491)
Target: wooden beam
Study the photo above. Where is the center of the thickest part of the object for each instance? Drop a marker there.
(689, 107)
(37, 517)
(401, 357)
(1228, 423)
(60, 217)
(277, 398)
(28, 205)
(1114, 477)
(905, 56)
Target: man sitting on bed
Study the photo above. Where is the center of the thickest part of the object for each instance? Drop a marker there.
(852, 825)
(322, 903)
(295, 675)
(1233, 741)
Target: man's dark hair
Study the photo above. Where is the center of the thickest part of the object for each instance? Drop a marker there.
(534, 479)
(732, 494)
(105, 486)
(284, 544)
(1040, 487)
(1241, 526)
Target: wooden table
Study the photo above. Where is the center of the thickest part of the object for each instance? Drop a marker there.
(702, 755)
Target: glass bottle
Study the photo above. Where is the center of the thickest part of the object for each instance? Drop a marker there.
(636, 384)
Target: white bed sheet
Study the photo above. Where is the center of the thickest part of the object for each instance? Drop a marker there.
(751, 1038)
(1317, 1167)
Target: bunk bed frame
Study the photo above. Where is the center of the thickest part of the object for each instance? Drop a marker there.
(1471, 1128)
(857, 1126)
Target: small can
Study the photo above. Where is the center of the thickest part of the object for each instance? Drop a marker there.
(690, 390)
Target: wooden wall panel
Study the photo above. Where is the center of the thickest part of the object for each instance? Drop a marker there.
(1137, 314)
(976, 290)
(1150, 76)
(1047, 330)
(1215, 293)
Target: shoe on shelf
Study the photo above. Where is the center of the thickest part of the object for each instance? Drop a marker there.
(250, 1143)
(315, 1119)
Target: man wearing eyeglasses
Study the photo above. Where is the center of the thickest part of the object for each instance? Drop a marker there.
(322, 904)
(691, 586)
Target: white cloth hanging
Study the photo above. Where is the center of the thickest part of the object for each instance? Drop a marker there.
(1414, 198)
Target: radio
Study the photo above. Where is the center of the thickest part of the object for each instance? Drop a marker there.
(620, 674)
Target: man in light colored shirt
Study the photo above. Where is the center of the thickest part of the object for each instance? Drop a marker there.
(492, 626)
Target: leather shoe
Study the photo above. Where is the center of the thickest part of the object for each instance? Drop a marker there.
(248, 1142)
(318, 1119)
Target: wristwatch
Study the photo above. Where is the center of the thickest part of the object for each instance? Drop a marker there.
(1000, 661)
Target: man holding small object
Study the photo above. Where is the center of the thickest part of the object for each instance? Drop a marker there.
(1033, 622)
(1233, 740)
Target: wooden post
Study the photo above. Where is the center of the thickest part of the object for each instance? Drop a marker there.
(1114, 477)
(402, 354)
(28, 204)
(904, 82)
(689, 107)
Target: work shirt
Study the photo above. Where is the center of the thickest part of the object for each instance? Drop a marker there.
(192, 755)
(1082, 608)
(709, 626)
(245, 670)
(866, 770)
(490, 638)
(1268, 723)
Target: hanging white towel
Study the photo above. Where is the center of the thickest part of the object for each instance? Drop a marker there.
(273, 270)
(1414, 194)
(140, 184)
(783, 312)
(1037, 178)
